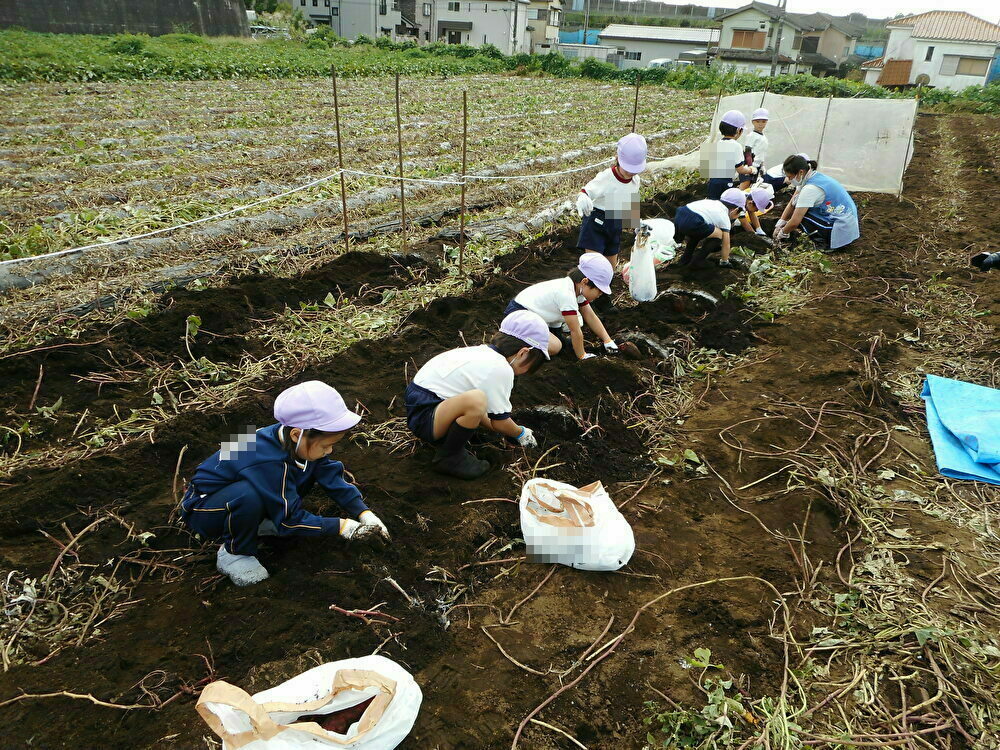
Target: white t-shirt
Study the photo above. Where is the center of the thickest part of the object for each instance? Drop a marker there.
(756, 142)
(459, 370)
(552, 300)
(611, 194)
(809, 196)
(714, 212)
(723, 158)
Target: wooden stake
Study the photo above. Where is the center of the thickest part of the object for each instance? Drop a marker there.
(340, 159)
(461, 223)
(635, 107)
(402, 184)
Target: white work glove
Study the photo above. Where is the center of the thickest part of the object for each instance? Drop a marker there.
(353, 531)
(368, 518)
(584, 205)
(527, 438)
(778, 227)
(611, 347)
(588, 355)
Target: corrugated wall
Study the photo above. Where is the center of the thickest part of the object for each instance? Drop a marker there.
(153, 17)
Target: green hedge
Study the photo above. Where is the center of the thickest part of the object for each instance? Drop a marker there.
(28, 56)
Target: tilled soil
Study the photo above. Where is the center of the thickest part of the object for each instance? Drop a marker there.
(474, 697)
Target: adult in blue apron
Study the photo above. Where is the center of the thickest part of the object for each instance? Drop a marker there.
(822, 208)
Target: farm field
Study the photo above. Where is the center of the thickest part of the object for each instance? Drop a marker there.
(769, 450)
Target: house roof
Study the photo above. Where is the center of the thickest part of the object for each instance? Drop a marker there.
(822, 21)
(753, 55)
(816, 59)
(801, 21)
(660, 34)
(874, 64)
(895, 73)
(771, 11)
(953, 25)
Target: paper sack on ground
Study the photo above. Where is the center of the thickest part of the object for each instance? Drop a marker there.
(964, 422)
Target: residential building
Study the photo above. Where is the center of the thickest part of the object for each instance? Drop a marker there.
(544, 20)
(948, 49)
(638, 45)
(352, 18)
(816, 43)
(502, 23)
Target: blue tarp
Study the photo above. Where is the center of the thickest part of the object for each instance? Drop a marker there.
(964, 422)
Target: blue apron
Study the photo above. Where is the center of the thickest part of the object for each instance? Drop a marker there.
(838, 209)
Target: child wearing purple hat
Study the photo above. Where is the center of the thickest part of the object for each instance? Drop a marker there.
(610, 201)
(724, 162)
(562, 302)
(759, 198)
(461, 390)
(254, 485)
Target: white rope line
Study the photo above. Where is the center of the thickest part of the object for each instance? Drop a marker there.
(306, 186)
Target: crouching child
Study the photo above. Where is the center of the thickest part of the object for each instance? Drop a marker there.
(461, 390)
(703, 227)
(254, 486)
(563, 302)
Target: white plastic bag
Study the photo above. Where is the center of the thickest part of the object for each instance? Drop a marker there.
(580, 528)
(660, 241)
(268, 720)
(641, 273)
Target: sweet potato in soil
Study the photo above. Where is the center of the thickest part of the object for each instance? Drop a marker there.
(473, 696)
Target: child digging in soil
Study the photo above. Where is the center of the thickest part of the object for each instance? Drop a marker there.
(562, 302)
(759, 199)
(254, 487)
(461, 390)
(704, 228)
(610, 201)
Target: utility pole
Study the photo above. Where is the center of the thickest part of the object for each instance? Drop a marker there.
(516, 42)
(777, 36)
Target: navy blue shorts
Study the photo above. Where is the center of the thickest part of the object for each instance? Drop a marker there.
(717, 186)
(420, 407)
(600, 233)
(690, 226)
(513, 307)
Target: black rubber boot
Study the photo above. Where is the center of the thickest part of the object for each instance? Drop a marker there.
(462, 465)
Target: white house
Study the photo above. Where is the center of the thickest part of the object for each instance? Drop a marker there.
(351, 18)
(502, 23)
(637, 45)
(949, 49)
(544, 20)
(814, 43)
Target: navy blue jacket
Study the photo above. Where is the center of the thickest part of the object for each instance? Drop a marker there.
(281, 482)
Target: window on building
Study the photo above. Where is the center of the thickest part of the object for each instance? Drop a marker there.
(382, 7)
(797, 40)
(427, 10)
(454, 6)
(633, 55)
(395, 4)
(748, 39)
(302, 2)
(846, 52)
(532, 14)
(810, 44)
(930, 54)
(484, 39)
(335, 11)
(326, 3)
(315, 3)
(953, 65)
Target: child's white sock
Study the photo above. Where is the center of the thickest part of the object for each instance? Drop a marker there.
(760, 231)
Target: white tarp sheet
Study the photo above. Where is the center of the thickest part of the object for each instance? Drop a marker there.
(865, 144)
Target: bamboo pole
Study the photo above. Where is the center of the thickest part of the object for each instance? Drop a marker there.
(822, 133)
(340, 159)
(402, 183)
(465, 140)
(635, 107)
